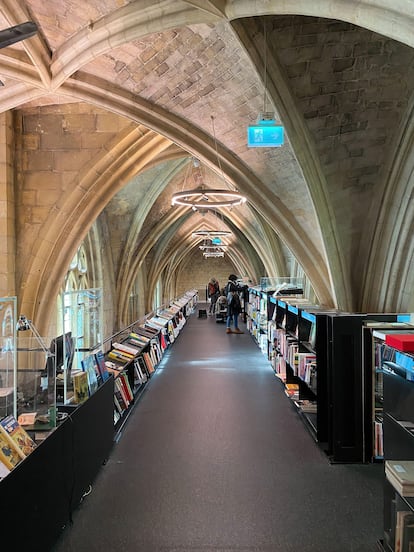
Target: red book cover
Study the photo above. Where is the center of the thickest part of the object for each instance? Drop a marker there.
(125, 384)
(402, 342)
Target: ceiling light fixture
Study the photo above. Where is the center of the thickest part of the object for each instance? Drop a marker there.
(210, 233)
(202, 198)
(208, 254)
(212, 247)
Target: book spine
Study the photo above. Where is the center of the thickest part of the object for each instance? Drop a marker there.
(127, 388)
(120, 394)
(148, 362)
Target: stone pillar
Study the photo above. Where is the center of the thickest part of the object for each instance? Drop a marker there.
(7, 208)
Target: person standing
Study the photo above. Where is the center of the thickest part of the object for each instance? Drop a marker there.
(213, 294)
(233, 304)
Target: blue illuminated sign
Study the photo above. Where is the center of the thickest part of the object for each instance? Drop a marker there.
(216, 241)
(265, 135)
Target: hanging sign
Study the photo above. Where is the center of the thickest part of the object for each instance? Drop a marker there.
(265, 134)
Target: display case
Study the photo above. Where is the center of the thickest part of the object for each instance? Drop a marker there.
(8, 360)
(81, 336)
(36, 382)
(282, 285)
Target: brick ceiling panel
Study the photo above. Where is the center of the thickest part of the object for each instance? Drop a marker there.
(344, 90)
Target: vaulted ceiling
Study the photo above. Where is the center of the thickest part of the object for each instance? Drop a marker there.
(186, 78)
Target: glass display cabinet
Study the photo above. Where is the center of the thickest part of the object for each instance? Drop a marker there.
(36, 378)
(81, 336)
(8, 366)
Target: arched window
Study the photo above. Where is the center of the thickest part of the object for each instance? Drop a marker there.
(76, 279)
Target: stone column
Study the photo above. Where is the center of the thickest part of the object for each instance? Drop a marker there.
(7, 207)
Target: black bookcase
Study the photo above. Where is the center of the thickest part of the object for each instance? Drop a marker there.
(398, 446)
(341, 423)
(39, 495)
(349, 387)
(375, 352)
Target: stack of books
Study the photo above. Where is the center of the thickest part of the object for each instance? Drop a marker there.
(400, 473)
(292, 390)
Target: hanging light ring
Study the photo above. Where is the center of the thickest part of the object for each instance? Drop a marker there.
(201, 198)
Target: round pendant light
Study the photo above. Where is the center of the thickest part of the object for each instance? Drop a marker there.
(204, 198)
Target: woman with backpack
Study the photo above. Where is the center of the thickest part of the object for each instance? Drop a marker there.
(213, 294)
(233, 304)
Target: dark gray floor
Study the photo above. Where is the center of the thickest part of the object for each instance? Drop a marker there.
(214, 458)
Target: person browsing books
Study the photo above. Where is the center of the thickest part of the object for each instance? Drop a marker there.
(234, 307)
(213, 294)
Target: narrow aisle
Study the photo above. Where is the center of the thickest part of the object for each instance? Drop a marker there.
(214, 458)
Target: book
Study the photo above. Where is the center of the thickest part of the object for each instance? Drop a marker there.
(10, 427)
(119, 394)
(148, 362)
(120, 383)
(80, 387)
(141, 339)
(100, 361)
(404, 518)
(113, 367)
(120, 356)
(292, 390)
(402, 342)
(143, 366)
(9, 454)
(118, 407)
(126, 385)
(408, 536)
(4, 470)
(146, 331)
(140, 375)
(89, 365)
(401, 476)
(129, 349)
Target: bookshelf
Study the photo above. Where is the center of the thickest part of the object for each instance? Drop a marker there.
(349, 382)
(62, 468)
(398, 416)
(135, 352)
(327, 366)
(286, 333)
(53, 479)
(375, 353)
(257, 318)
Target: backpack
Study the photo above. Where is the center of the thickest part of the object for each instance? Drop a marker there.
(212, 289)
(233, 298)
(235, 302)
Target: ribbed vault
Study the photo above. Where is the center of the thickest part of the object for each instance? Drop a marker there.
(337, 196)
